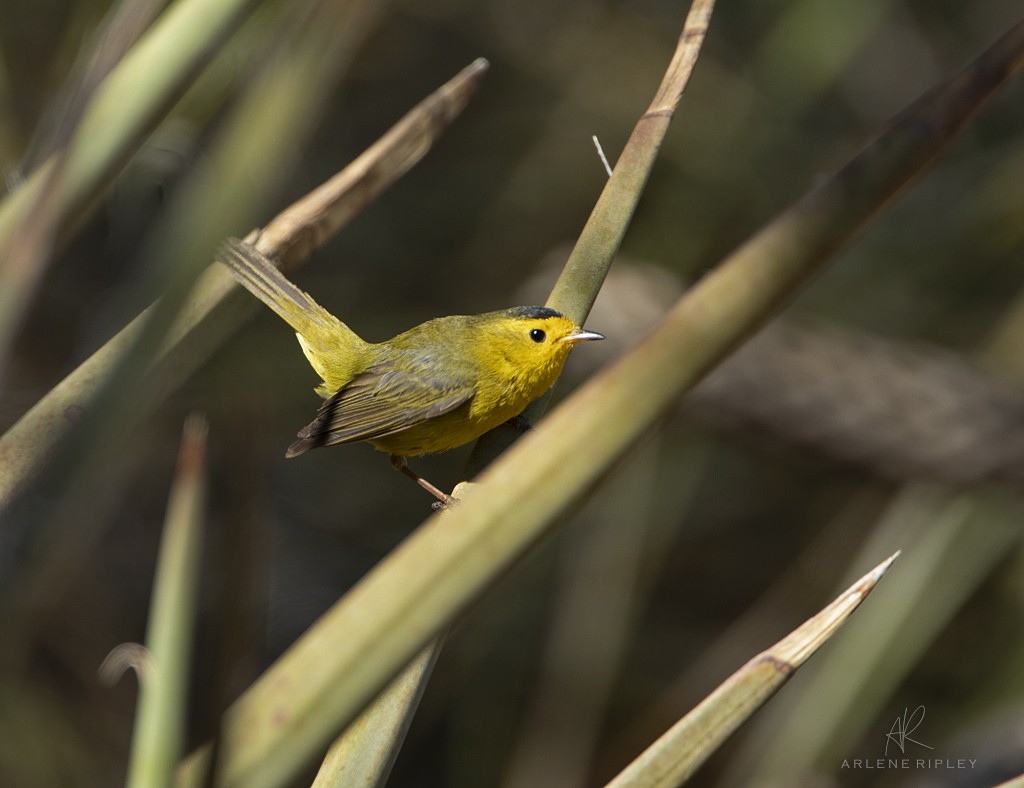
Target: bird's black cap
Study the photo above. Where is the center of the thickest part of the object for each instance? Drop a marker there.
(533, 312)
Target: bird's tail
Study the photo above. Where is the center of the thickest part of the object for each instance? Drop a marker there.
(320, 333)
(260, 276)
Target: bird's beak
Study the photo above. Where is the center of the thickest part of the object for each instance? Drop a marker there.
(580, 335)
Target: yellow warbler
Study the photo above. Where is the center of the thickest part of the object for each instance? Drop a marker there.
(434, 387)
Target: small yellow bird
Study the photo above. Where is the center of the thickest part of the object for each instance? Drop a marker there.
(432, 388)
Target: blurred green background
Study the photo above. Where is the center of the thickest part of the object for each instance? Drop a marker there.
(618, 626)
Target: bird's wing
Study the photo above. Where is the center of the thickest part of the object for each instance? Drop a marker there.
(381, 401)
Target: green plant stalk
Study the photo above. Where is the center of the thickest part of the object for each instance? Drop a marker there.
(366, 752)
(125, 108)
(956, 538)
(129, 103)
(581, 279)
(593, 613)
(687, 745)
(26, 446)
(857, 676)
(584, 274)
(159, 735)
(338, 666)
(259, 138)
(26, 255)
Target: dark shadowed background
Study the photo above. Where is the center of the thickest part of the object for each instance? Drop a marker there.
(646, 600)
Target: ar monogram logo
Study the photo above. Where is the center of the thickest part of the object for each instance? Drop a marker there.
(899, 733)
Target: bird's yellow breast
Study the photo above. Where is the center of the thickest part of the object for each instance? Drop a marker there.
(508, 376)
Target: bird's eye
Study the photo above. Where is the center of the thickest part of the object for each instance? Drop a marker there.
(537, 335)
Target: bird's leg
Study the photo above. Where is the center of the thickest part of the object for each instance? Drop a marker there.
(520, 423)
(398, 462)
